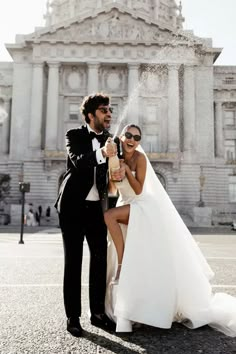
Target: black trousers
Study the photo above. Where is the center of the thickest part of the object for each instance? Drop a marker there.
(77, 223)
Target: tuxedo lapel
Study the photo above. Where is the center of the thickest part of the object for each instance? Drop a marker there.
(87, 143)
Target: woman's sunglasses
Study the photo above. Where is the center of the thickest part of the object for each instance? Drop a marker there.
(105, 109)
(129, 135)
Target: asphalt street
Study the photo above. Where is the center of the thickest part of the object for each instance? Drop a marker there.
(32, 318)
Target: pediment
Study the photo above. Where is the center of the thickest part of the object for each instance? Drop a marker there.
(112, 26)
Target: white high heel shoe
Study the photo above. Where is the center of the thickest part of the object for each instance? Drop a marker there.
(123, 325)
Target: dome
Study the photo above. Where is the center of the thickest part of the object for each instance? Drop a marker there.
(165, 12)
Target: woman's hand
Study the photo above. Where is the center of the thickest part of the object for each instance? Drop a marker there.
(123, 168)
(119, 174)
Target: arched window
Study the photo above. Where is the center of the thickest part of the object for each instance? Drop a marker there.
(161, 179)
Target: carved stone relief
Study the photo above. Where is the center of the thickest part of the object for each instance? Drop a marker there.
(114, 79)
(229, 105)
(153, 80)
(140, 52)
(225, 95)
(113, 26)
(45, 51)
(73, 78)
(60, 52)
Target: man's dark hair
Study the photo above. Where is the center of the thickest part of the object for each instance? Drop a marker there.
(92, 102)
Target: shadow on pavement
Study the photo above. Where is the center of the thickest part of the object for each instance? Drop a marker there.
(177, 340)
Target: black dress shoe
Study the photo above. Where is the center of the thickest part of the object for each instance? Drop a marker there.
(74, 327)
(103, 321)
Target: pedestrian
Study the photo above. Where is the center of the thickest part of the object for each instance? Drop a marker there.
(48, 213)
(30, 218)
(40, 210)
(37, 218)
(79, 204)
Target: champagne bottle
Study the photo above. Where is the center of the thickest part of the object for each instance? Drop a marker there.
(113, 162)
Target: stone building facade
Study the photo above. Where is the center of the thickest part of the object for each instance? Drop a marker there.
(158, 75)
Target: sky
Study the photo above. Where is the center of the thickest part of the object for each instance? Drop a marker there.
(207, 18)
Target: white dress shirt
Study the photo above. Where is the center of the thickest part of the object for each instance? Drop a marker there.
(93, 193)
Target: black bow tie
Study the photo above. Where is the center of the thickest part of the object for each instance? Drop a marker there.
(100, 137)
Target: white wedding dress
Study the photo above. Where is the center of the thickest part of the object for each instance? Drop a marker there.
(164, 276)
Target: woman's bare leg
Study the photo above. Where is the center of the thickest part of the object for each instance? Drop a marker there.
(113, 217)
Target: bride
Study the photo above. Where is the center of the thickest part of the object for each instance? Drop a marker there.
(156, 272)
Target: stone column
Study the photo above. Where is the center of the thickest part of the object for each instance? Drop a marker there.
(156, 9)
(72, 8)
(6, 128)
(173, 108)
(189, 109)
(219, 130)
(52, 107)
(93, 78)
(35, 137)
(133, 94)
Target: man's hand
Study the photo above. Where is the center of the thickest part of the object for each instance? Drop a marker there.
(110, 148)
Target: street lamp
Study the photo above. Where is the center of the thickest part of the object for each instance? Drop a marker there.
(24, 188)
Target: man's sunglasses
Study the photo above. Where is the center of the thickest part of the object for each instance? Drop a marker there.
(105, 109)
(128, 135)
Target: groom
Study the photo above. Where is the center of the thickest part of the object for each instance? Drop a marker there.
(79, 204)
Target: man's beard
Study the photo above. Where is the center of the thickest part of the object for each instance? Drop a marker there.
(99, 126)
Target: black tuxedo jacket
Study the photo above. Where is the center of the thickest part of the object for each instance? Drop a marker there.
(79, 176)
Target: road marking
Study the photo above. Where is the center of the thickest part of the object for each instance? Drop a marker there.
(29, 257)
(83, 285)
(50, 285)
(224, 286)
(223, 258)
(29, 285)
